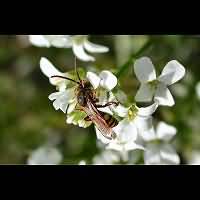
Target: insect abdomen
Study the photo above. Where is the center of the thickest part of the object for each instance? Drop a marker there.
(110, 120)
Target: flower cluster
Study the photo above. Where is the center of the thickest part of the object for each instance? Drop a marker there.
(135, 128)
(79, 43)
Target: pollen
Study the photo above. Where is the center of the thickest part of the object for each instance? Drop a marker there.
(153, 84)
(132, 112)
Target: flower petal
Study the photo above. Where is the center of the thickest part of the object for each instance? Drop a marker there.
(133, 146)
(144, 70)
(72, 107)
(80, 52)
(39, 40)
(95, 48)
(59, 41)
(115, 146)
(120, 110)
(45, 156)
(100, 137)
(145, 93)
(48, 69)
(82, 162)
(94, 79)
(147, 111)
(126, 131)
(169, 155)
(163, 96)
(152, 155)
(106, 157)
(143, 123)
(106, 110)
(165, 132)
(148, 135)
(108, 80)
(62, 99)
(172, 73)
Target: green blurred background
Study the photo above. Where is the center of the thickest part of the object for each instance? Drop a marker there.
(28, 119)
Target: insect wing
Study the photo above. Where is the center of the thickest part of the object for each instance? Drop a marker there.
(98, 120)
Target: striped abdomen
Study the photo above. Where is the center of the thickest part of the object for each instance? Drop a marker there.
(110, 120)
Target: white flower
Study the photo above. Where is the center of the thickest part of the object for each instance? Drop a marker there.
(65, 98)
(157, 87)
(82, 162)
(78, 118)
(127, 131)
(45, 155)
(79, 43)
(62, 99)
(49, 70)
(157, 150)
(106, 157)
(106, 80)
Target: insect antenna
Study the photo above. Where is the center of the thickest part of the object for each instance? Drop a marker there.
(77, 70)
(69, 79)
(80, 81)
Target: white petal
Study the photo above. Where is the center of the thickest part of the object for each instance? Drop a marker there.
(71, 107)
(133, 146)
(39, 40)
(147, 111)
(148, 135)
(106, 110)
(48, 69)
(115, 146)
(120, 110)
(152, 155)
(100, 137)
(165, 131)
(108, 80)
(54, 96)
(45, 156)
(144, 70)
(59, 41)
(172, 73)
(164, 96)
(143, 123)
(145, 93)
(126, 131)
(169, 155)
(82, 162)
(62, 99)
(123, 148)
(94, 79)
(106, 157)
(80, 53)
(94, 48)
(58, 104)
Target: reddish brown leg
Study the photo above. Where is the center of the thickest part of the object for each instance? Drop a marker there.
(78, 109)
(87, 119)
(108, 104)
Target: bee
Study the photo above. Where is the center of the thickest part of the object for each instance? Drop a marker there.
(87, 102)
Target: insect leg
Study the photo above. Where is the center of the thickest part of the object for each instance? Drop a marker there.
(78, 109)
(87, 119)
(108, 104)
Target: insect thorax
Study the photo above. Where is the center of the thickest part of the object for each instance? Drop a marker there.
(85, 91)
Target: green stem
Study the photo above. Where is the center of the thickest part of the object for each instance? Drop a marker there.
(125, 66)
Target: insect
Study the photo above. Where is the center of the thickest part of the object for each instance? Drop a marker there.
(87, 101)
